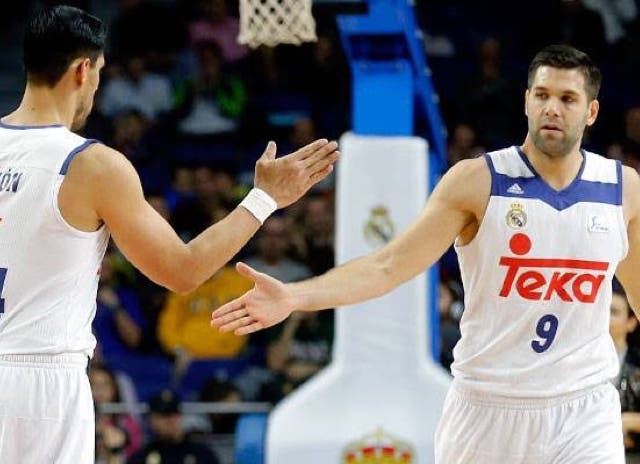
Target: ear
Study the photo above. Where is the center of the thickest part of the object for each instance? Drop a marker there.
(81, 68)
(594, 108)
(526, 99)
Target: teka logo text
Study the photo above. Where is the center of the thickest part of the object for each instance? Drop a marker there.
(567, 279)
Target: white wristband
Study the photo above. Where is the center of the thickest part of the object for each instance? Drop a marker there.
(260, 204)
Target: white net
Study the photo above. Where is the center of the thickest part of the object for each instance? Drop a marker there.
(273, 22)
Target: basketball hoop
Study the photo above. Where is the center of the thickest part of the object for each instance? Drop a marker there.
(273, 22)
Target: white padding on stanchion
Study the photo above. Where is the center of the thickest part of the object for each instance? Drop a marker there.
(382, 389)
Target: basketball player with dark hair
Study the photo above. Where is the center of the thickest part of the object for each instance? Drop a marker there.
(540, 230)
(61, 197)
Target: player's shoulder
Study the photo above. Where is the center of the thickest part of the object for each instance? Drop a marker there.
(630, 176)
(473, 170)
(101, 154)
(630, 185)
(98, 169)
(98, 160)
(467, 184)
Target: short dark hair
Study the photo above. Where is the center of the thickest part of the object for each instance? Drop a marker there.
(55, 37)
(567, 57)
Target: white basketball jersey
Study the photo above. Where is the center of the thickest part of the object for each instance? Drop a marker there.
(537, 281)
(49, 270)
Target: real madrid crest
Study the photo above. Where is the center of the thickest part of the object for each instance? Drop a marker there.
(378, 447)
(379, 228)
(516, 217)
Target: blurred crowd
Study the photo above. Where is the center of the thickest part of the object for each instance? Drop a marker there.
(192, 110)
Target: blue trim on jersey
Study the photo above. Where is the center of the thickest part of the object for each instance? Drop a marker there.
(619, 175)
(569, 187)
(494, 174)
(13, 127)
(536, 188)
(73, 153)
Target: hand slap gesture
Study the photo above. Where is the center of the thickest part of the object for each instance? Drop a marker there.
(269, 303)
(289, 177)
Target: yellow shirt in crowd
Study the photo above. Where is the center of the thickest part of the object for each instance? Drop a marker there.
(185, 319)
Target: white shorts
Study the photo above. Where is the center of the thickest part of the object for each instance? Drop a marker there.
(46, 410)
(582, 428)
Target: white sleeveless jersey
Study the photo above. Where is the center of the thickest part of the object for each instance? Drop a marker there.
(48, 269)
(537, 281)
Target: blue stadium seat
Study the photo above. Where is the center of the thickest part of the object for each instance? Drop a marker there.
(201, 370)
(150, 373)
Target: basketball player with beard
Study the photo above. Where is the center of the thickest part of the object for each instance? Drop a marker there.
(540, 230)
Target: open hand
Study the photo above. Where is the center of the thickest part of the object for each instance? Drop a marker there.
(268, 303)
(287, 178)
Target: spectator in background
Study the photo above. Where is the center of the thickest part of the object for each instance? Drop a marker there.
(182, 187)
(217, 26)
(449, 309)
(156, 44)
(632, 130)
(119, 321)
(184, 325)
(134, 88)
(221, 391)
(583, 28)
(463, 144)
(313, 233)
(128, 131)
(621, 324)
(298, 349)
(324, 81)
(491, 99)
(627, 147)
(169, 443)
(616, 15)
(273, 243)
(118, 436)
(303, 131)
(213, 101)
(160, 204)
(264, 74)
(215, 190)
(566, 21)
(139, 142)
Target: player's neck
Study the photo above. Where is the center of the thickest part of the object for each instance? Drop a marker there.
(557, 171)
(42, 106)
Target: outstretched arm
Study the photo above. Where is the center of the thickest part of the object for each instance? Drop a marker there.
(104, 182)
(457, 202)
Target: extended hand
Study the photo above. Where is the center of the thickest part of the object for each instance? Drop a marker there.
(287, 178)
(269, 303)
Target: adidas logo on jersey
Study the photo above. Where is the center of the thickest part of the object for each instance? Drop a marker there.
(515, 188)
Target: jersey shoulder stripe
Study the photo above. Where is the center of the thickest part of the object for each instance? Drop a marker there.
(598, 180)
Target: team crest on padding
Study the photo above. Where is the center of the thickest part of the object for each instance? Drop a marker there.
(378, 447)
(516, 217)
(379, 228)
